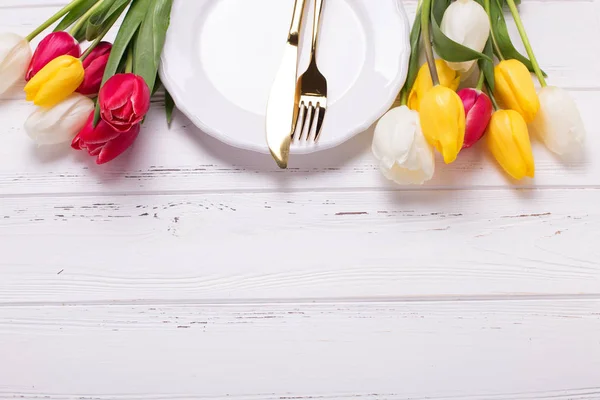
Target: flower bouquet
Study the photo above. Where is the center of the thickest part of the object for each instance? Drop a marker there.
(471, 37)
(97, 98)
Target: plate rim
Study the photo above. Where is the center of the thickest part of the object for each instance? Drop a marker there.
(395, 86)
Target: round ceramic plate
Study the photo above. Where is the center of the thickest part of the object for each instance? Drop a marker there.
(221, 57)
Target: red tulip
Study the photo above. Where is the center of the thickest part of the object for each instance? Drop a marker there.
(52, 46)
(104, 142)
(478, 111)
(94, 66)
(124, 101)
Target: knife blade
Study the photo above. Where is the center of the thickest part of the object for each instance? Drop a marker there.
(282, 107)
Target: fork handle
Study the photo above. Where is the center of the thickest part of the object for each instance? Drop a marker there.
(317, 23)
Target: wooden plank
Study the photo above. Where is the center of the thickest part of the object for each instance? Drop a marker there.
(480, 350)
(184, 159)
(563, 50)
(299, 245)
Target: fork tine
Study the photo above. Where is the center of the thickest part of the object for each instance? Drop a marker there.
(319, 120)
(300, 122)
(310, 114)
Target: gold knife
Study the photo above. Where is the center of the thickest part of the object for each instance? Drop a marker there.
(282, 109)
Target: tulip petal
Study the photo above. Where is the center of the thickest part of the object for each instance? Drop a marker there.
(117, 146)
(124, 101)
(423, 83)
(508, 140)
(101, 50)
(404, 155)
(443, 121)
(559, 124)
(94, 149)
(60, 123)
(52, 46)
(15, 54)
(467, 23)
(55, 82)
(515, 89)
(94, 72)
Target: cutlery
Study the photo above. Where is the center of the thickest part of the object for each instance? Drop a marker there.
(312, 86)
(283, 105)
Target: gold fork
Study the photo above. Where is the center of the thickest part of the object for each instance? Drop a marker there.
(312, 86)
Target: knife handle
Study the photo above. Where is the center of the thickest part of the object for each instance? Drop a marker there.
(294, 34)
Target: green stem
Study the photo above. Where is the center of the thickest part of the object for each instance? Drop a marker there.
(64, 11)
(84, 18)
(404, 97)
(129, 61)
(525, 38)
(425, 16)
(492, 98)
(481, 81)
(488, 9)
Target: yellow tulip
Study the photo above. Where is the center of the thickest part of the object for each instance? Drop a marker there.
(443, 121)
(508, 140)
(55, 82)
(514, 89)
(423, 83)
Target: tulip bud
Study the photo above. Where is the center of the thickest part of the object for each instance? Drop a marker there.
(478, 112)
(124, 101)
(467, 23)
(104, 142)
(52, 46)
(59, 124)
(94, 66)
(55, 82)
(404, 155)
(423, 82)
(508, 140)
(558, 123)
(515, 90)
(15, 55)
(443, 121)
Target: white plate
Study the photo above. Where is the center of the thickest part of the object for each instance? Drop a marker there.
(221, 57)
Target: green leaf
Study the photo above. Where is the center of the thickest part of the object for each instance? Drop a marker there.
(74, 15)
(100, 17)
(79, 34)
(115, 7)
(438, 8)
(505, 45)
(169, 106)
(413, 66)
(151, 39)
(445, 47)
(92, 25)
(157, 84)
(130, 26)
(487, 66)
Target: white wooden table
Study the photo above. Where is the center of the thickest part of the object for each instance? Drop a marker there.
(191, 270)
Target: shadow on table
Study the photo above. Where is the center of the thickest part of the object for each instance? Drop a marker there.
(304, 164)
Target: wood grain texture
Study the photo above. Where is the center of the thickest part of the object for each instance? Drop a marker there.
(190, 270)
(185, 159)
(481, 350)
(299, 245)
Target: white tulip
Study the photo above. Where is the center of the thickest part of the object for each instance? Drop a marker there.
(60, 123)
(558, 123)
(404, 155)
(15, 55)
(467, 23)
